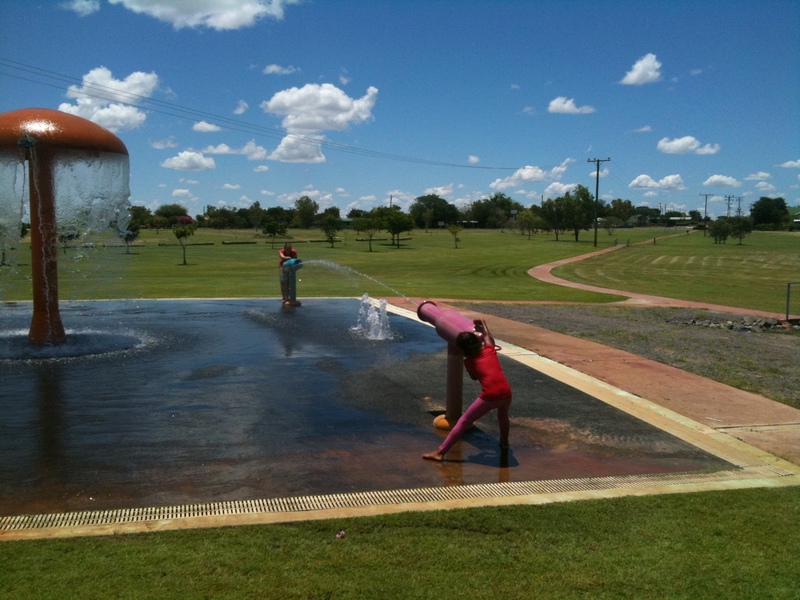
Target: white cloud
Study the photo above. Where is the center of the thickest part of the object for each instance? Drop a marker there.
(205, 127)
(686, 145)
(473, 160)
(279, 70)
(189, 161)
(558, 189)
(529, 174)
(695, 72)
(790, 164)
(231, 186)
(565, 105)
(443, 191)
(760, 176)
(645, 182)
(644, 70)
(106, 101)
(164, 144)
(215, 14)
(603, 173)
(311, 110)
(183, 193)
(82, 7)
(241, 108)
(251, 150)
(721, 181)
(261, 169)
(645, 129)
(763, 186)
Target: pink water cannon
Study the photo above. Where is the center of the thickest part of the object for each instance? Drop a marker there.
(449, 324)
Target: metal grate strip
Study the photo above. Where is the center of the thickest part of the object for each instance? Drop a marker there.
(377, 498)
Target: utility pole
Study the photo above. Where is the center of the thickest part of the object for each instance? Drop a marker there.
(739, 206)
(728, 200)
(705, 213)
(597, 162)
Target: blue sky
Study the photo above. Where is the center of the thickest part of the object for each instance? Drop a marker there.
(351, 102)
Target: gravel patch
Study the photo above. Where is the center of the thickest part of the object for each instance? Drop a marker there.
(722, 347)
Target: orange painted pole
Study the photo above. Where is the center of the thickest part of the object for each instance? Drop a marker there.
(46, 326)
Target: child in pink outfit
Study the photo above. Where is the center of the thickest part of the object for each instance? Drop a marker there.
(482, 365)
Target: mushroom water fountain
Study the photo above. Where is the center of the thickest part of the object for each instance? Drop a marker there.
(77, 179)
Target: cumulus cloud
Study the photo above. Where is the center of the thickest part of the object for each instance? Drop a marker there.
(765, 188)
(645, 182)
(530, 174)
(279, 70)
(214, 14)
(251, 150)
(108, 101)
(721, 181)
(443, 191)
(189, 161)
(760, 176)
(567, 106)
(82, 7)
(241, 108)
(558, 189)
(645, 129)
(645, 70)
(309, 111)
(205, 127)
(164, 144)
(473, 160)
(686, 145)
(790, 164)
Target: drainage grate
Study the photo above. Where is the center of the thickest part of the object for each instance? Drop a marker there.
(301, 504)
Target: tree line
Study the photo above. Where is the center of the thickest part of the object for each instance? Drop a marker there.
(574, 212)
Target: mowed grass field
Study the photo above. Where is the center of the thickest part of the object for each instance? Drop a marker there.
(486, 265)
(737, 544)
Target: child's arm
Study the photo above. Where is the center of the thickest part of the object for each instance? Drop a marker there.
(482, 328)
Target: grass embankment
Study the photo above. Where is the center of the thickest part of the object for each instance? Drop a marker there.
(729, 545)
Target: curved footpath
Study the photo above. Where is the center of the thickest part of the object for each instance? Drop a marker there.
(751, 418)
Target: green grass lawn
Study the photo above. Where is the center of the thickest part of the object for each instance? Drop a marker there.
(734, 544)
(691, 267)
(487, 265)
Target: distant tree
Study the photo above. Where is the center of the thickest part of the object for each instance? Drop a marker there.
(695, 216)
(740, 227)
(622, 209)
(610, 223)
(129, 236)
(528, 221)
(494, 211)
(171, 212)
(255, 214)
(454, 231)
(579, 210)
(369, 226)
(431, 209)
(397, 222)
(305, 212)
(552, 212)
(183, 231)
(719, 230)
(272, 228)
(140, 217)
(770, 213)
(357, 213)
(331, 224)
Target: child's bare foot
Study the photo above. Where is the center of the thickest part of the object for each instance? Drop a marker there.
(435, 456)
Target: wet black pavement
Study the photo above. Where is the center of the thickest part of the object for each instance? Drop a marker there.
(216, 400)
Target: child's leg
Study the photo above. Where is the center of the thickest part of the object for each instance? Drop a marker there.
(503, 420)
(476, 410)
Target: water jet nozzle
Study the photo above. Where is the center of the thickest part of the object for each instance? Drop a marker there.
(27, 141)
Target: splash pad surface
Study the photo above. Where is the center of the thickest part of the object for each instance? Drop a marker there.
(235, 400)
